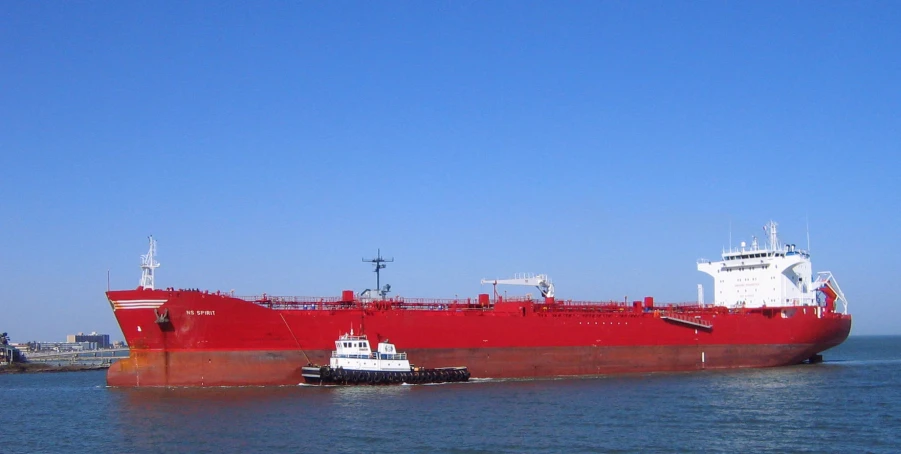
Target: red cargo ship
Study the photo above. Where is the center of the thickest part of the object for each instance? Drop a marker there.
(768, 311)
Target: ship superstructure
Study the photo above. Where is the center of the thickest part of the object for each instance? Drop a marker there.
(775, 275)
(353, 352)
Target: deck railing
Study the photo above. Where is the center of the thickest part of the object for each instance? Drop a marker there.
(472, 305)
(373, 355)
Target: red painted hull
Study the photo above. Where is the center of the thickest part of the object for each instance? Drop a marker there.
(215, 340)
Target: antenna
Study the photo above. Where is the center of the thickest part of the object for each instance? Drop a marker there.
(379, 263)
(807, 221)
(148, 264)
(774, 236)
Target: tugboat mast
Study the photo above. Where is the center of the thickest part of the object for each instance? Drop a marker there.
(379, 263)
(148, 264)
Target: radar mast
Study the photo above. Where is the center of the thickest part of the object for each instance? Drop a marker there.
(379, 263)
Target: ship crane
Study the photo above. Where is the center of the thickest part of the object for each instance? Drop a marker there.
(826, 279)
(541, 281)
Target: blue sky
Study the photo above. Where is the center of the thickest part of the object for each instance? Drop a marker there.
(269, 147)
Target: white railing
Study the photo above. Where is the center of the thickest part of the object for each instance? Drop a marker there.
(382, 356)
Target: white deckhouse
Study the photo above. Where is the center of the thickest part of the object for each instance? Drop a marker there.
(776, 275)
(353, 353)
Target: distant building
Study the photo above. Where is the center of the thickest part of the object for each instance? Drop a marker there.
(8, 353)
(39, 347)
(102, 340)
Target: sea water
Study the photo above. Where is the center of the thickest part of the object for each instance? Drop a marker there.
(849, 403)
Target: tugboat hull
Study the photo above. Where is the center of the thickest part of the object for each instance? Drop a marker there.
(326, 375)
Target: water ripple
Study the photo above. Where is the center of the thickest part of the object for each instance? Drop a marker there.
(850, 403)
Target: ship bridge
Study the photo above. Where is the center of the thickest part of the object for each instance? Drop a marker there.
(770, 276)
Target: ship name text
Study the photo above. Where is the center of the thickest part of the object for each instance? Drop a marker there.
(200, 312)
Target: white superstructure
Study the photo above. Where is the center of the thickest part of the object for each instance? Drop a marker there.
(353, 353)
(775, 275)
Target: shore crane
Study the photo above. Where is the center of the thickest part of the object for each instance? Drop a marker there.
(541, 281)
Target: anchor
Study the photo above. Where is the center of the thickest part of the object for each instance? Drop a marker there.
(162, 318)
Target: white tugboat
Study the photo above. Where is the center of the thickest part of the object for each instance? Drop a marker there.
(354, 363)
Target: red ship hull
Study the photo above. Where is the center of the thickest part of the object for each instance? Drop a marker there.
(191, 338)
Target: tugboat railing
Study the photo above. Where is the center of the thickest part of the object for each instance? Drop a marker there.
(373, 355)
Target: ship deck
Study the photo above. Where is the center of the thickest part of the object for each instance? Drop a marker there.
(513, 304)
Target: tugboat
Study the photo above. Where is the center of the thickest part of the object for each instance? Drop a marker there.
(354, 363)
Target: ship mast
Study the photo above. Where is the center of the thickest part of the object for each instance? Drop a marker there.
(770, 228)
(148, 264)
(379, 263)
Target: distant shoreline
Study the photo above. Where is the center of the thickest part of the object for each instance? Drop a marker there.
(30, 368)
